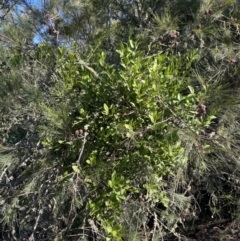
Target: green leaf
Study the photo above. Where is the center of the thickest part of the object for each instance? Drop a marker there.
(76, 169)
(129, 127)
(151, 118)
(106, 109)
(164, 199)
(131, 43)
(82, 111)
(191, 89)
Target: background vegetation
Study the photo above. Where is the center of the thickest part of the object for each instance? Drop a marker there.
(119, 120)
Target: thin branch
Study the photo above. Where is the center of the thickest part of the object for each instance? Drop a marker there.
(82, 148)
(31, 238)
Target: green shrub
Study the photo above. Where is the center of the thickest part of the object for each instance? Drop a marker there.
(117, 129)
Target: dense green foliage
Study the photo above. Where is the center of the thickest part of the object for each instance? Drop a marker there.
(122, 122)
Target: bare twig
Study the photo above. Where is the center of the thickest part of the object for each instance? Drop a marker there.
(31, 238)
(82, 148)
